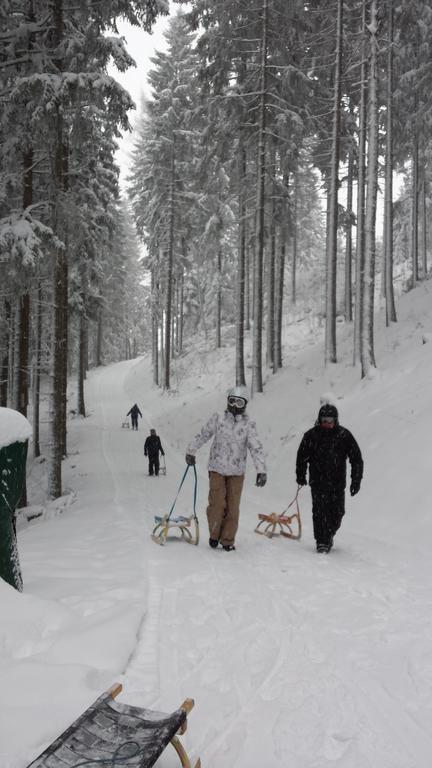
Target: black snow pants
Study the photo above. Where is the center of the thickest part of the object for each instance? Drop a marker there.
(134, 420)
(328, 509)
(153, 463)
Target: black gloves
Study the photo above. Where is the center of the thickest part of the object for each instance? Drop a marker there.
(301, 481)
(261, 479)
(190, 460)
(162, 453)
(354, 488)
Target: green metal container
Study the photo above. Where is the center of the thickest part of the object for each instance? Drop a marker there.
(15, 431)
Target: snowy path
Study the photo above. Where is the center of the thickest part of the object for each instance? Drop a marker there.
(294, 660)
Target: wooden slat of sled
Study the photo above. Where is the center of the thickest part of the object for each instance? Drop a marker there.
(109, 733)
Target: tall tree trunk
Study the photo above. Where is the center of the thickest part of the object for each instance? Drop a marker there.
(367, 341)
(81, 364)
(218, 297)
(37, 372)
(388, 194)
(424, 222)
(4, 362)
(294, 239)
(169, 277)
(361, 175)
(241, 287)
(414, 202)
(271, 262)
(257, 380)
(279, 278)
(59, 357)
(348, 233)
(181, 310)
(99, 337)
(331, 260)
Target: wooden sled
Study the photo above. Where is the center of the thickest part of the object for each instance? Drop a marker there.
(162, 467)
(112, 734)
(125, 425)
(188, 527)
(281, 524)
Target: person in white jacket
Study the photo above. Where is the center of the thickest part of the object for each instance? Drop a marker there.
(234, 433)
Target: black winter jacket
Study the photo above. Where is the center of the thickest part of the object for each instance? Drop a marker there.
(153, 445)
(326, 452)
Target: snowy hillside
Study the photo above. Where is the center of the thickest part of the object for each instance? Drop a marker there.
(293, 659)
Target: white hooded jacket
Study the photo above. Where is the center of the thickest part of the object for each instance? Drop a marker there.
(233, 436)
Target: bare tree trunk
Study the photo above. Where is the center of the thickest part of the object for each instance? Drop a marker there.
(331, 260)
(388, 194)
(424, 222)
(294, 239)
(169, 278)
(257, 380)
(4, 362)
(248, 278)
(271, 263)
(37, 372)
(367, 345)
(99, 337)
(218, 297)
(59, 358)
(81, 364)
(414, 203)
(359, 282)
(348, 234)
(181, 310)
(279, 279)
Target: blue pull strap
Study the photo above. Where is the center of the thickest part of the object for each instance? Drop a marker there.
(180, 487)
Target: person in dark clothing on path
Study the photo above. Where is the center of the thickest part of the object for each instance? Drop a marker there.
(325, 449)
(134, 411)
(152, 448)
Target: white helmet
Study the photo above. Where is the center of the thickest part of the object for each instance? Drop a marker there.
(239, 391)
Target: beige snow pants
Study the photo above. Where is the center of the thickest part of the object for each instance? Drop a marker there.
(224, 506)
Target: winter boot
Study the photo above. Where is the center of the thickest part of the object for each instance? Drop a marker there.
(213, 543)
(228, 547)
(323, 548)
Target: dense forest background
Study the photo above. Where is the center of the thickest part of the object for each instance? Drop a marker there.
(262, 191)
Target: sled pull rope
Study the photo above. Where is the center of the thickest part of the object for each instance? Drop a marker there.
(294, 501)
(180, 487)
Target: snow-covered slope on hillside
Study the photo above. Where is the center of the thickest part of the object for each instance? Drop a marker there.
(293, 659)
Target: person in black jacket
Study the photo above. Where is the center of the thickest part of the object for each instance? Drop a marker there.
(152, 448)
(134, 411)
(325, 449)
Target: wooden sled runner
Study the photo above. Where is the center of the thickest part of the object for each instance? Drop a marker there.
(282, 524)
(111, 734)
(188, 527)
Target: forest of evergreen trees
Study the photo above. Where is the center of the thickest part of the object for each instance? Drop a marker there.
(272, 132)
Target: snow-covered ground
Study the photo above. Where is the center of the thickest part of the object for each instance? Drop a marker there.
(293, 659)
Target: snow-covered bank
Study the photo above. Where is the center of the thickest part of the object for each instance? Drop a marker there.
(293, 659)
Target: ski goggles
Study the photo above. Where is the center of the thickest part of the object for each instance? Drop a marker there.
(237, 402)
(327, 420)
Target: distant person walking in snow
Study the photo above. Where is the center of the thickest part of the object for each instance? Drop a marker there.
(325, 449)
(134, 411)
(233, 434)
(152, 448)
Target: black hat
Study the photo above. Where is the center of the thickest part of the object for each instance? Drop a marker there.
(328, 410)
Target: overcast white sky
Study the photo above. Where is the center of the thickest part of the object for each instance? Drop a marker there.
(141, 46)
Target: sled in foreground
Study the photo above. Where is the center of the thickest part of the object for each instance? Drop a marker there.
(187, 526)
(281, 524)
(111, 734)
